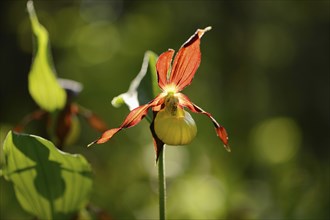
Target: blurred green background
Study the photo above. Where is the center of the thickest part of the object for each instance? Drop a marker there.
(264, 76)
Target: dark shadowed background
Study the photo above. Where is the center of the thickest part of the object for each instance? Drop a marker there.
(264, 76)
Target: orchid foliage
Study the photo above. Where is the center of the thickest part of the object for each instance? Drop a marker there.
(49, 183)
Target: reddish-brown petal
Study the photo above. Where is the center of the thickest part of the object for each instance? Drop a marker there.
(187, 61)
(133, 118)
(221, 131)
(96, 122)
(107, 135)
(163, 65)
(93, 120)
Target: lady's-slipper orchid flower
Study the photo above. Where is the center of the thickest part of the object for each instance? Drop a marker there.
(171, 123)
(66, 123)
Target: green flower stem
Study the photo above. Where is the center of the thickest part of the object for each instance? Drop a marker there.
(161, 181)
(162, 185)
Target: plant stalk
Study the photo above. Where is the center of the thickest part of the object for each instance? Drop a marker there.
(162, 185)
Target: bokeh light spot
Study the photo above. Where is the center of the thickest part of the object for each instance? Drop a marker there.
(277, 139)
(200, 197)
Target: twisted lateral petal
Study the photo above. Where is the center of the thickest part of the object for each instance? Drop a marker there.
(221, 131)
(93, 120)
(133, 118)
(187, 61)
(163, 65)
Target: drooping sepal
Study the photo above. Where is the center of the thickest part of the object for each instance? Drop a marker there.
(158, 144)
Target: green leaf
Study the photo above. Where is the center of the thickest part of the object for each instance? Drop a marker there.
(144, 87)
(43, 85)
(48, 183)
